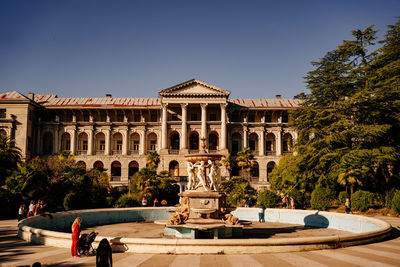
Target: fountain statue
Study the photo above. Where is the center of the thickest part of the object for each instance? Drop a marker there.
(203, 206)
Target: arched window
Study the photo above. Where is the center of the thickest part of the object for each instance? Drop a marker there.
(254, 170)
(236, 142)
(100, 143)
(82, 164)
(134, 143)
(152, 142)
(194, 141)
(47, 143)
(174, 168)
(174, 142)
(253, 141)
(98, 165)
(116, 171)
(82, 143)
(213, 142)
(270, 167)
(133, 168)
(65, 141)
(287, 143)
(117, 143)
(270, 144)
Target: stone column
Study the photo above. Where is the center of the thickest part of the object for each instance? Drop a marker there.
(107, 136)
(203, 120)
(184, 126)
(125, 140)
(164, 129)
(56, 142)
(73, 141)
(90, 141)
(245, 141)
(261, 145)
(142, 146)
(223, 138)
(278, 135)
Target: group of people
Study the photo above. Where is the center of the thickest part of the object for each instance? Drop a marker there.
(288, 202)
(34, 208)
(155, 202)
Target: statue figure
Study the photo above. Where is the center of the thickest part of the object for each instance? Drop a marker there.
(212, 176)
(190, 171)
(200, 175)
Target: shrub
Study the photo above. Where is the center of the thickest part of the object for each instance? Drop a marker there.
(127, 200)
(396, 201)
(268, 198)
(321, 198)
(71, 201)
(362, 200)
(389, 198)
(342, 197)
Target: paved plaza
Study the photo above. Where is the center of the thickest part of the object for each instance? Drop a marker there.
(15, 252)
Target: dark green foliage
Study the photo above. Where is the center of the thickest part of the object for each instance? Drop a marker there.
(127, 200)
(362, 200)
(237, 190)
(389, 198)
(10, 156)
(321, 198)
(299, 199)
(396, 201)
(72, 201)
(268, 198)
(342, 197)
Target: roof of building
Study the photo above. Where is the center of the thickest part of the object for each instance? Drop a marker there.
(188, 85)
(52, 101)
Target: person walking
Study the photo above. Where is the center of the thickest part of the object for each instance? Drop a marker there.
(155, 203)
(21, 212)
(292, 203)
(347, 206)
(261, 213)
(31, 209)
(76, 230)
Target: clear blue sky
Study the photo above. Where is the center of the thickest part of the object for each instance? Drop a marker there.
(255, 49)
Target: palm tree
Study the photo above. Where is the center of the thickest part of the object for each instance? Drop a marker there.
(10, 156)
(228, 161)
(152, 159)
(245, 162)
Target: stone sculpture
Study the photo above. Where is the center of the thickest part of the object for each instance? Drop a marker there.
(190, 171)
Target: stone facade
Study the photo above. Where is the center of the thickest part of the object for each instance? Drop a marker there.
(117, 133)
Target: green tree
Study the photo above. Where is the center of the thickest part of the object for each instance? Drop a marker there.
(229, 162)
(245, 161)
(152, 159)
(10, 156)
(237, 190)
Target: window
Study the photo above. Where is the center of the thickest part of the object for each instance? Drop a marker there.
(103, 116)
(268, 117)
(153, 144)
(252, 117)
(213, 117)
(174, 117)
(193, 116)
(120, 117)
(153, 116)
(85, 116)
(135, 145)
(285, 117)
(3, 113)
(102, 145)
(136, 116)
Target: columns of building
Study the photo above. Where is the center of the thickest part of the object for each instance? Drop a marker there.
(164, 129)
(278, 135)
(245, 140)
(142, 144)
(223, 138)
(203, 120)
(125, 140)
(261, 146)
(55, 141)
(184, 126)
(73, 141)
(107, 136)
(90, 141)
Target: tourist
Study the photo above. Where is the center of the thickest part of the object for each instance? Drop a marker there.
(104, 254)
(347, 206)
(155, 203)
(284, 202)
(144, 202)
(164, 202)
(261, 214)
(292, 203)
(76, 230)
(31, 209)
(21, 212)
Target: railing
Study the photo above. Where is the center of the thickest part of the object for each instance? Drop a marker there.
(193, 151)
(99, 152)
(81, 152)
(115, 178)
(174, 151)
(270, 153)
(117, 152)
(134, 152)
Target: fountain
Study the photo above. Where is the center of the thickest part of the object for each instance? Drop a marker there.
(203, 212)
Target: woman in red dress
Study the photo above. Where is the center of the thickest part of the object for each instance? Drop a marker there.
(76, 230)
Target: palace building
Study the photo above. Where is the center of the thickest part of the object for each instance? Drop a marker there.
(115, 134)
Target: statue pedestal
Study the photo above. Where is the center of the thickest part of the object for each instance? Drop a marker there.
(204, 204)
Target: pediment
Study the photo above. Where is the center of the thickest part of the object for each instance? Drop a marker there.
(194, 88)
